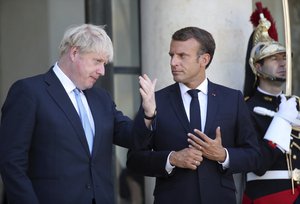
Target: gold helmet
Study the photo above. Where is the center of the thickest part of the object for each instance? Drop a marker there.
(264, 46)
(269, 26)
(262, 50)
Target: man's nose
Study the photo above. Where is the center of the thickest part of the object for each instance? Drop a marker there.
(174, 61)
(101, 69)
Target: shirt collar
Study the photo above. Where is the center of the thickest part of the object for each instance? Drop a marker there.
(203, 87)
(267, 93)
(66, 82)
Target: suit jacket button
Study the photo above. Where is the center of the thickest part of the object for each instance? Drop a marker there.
(88, 186)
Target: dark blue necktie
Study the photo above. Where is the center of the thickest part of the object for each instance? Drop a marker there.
(195, 117)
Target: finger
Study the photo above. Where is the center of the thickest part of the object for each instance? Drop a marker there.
(142, 92)
(195, 161)
(194, 144)
(196, 140)
(198, 157)
(142, 79)
(196, 153)
(192, 147)
(203, 136)
(147, 79)
(145, 76)
(144, 84)
(193, 167)
(194, 137)
(147, 85)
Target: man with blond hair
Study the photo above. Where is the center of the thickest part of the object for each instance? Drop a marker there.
(57, 129)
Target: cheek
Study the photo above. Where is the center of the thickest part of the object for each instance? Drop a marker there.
(193, 68)
(81, 73)
(86, 67)
(271, 67)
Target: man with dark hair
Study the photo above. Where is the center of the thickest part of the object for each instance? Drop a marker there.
(203, 133)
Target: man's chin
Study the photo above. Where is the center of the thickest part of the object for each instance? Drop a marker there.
(177, 79)
(88, 86)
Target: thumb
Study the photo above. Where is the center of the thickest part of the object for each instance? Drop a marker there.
(154, 82)
(283, 98)
(218, 133)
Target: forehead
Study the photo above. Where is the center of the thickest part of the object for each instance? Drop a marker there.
(281, 54)
(97, 55)
(184, 46)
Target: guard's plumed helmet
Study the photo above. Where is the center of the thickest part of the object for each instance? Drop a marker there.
(264, 31)
(264, 46)
(262, 50)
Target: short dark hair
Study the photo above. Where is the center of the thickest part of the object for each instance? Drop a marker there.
(205, 39)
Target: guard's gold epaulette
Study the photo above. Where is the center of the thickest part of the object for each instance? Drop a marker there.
(246, 98)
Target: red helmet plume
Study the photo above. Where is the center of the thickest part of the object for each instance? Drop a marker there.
(254, 18)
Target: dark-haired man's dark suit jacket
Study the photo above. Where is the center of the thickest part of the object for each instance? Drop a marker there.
(209, 184)
(44, 156)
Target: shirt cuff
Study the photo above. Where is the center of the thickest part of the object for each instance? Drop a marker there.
(169, 167)
(225, 164)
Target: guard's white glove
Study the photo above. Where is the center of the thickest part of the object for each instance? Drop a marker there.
(279, 130)
(288, 109)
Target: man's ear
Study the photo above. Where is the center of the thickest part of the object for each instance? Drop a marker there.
(205, 59)
(258, 66)
(73, 51)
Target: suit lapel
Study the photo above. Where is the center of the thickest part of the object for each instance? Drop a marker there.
(177, 104)
(212, 106)
(59, 95)
(97, 112)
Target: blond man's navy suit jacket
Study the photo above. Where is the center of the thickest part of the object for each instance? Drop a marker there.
(44, 156)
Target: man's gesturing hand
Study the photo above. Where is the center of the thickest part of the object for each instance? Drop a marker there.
(211, 149)
(147, 91)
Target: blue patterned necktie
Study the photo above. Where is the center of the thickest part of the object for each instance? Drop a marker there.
(84, 120)
(195, 116)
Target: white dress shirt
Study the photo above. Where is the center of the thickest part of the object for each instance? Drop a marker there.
(69, 87)
(186, 98)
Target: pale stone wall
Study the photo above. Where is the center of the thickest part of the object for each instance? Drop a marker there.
(228, 21)
(30, 34)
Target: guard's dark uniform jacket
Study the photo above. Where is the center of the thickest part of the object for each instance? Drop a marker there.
(272, 183)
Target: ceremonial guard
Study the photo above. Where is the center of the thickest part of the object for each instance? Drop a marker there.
(276, 120)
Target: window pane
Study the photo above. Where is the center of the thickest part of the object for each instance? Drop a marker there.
(125, 33)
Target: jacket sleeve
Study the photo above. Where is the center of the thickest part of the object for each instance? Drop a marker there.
(17, 126)
(244, 157)
(143, 159)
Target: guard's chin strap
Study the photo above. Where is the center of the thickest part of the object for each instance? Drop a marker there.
(270, 77)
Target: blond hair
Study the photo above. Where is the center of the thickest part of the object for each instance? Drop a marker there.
(88, 38)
